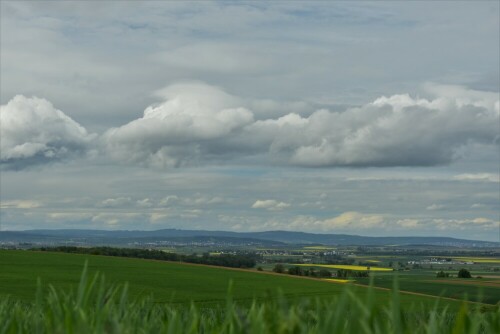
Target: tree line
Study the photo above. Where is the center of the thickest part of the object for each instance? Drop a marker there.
(322, 273)
(462, 273)
(239, 260)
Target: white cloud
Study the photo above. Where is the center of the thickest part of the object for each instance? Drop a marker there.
(380, 224)
(169, 200)
(33, 131)
(435, 207)
(451, 225)
(352, 219)
(479, 223)
(393, 131)
(190, 213)
(173, 133)
(118, 218)
(20, 204)
(199, 124)
(159, 217)
(270, 204)
(115, 202)
(203, 200)
(69, 216)
(478, 177)
(145, 203)
(408, 223)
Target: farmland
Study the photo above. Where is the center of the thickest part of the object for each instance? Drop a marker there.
(165, 282)
(486, 290)
(417, 273)
(305, 305)
(100, 308)
(415, 270)
(168, 297)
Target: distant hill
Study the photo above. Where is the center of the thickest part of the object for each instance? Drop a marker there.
(266, 238)
(98, 237)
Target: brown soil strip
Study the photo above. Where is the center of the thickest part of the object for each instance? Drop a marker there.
(491, 276)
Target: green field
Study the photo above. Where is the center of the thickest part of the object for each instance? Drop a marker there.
(155, 301)
(165, 281)
(486, 290)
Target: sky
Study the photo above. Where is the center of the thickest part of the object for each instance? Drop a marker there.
(369, 118)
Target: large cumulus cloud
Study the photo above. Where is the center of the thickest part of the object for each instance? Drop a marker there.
(391, 131)
(181, 130)
(198, 124)
(34, 132)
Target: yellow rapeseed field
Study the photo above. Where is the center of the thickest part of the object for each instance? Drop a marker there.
(378, 256)
(336, 280)
(215, 253)
(346, 266)
(319, 247)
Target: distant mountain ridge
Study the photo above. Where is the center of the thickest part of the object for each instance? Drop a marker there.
(285, 237)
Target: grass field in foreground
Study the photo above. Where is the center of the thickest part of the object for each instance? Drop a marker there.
(95, 307)
(165, 281)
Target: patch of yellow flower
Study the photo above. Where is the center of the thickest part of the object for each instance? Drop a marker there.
(319, 247)
(214, 253)
(379, 257)
(346, 266)
(338, 280)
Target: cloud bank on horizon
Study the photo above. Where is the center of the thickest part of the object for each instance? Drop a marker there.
(198, 124)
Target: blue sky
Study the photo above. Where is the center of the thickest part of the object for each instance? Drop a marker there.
(372, 118)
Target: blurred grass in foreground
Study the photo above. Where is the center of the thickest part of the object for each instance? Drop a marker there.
(96, 307)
